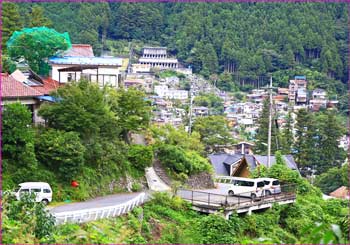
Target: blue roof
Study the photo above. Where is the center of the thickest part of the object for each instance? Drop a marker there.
(108, 61)
(300, 77)
(49, 98)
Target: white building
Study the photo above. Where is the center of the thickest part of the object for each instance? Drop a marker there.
(103, 70)
(157, 57)
(163, 91)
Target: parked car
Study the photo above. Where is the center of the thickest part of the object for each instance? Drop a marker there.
(272, 186)
(252, 188)
(42, 191)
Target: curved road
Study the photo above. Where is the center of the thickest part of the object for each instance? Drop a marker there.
(106, 201)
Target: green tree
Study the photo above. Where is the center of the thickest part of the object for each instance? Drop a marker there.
(36, 17)
(61, 152)
(167, 134)
(83, 108)
(333, 179)
(262, 132)
(140, 156)
(133, 111)
(212, 101)
(11, 21)
(36, 45)
(331, 155)
(287, 137)
(300, 133)
(213, 131)
(18, 155)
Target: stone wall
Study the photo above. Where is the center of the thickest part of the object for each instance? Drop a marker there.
(200, 181)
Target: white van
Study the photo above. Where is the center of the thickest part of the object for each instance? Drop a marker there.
(252, 188)
(42, 190)
(272, 186)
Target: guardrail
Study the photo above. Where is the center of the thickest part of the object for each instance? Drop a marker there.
(85, 215)
(238, 200)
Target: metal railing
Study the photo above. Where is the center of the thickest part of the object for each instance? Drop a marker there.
(85, 215)
(237, 200)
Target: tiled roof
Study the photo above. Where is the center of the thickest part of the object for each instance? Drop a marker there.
(48, 86)
(11, 88)
(81, 50)
(341, 192)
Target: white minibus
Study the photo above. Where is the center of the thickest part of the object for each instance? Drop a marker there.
(252, 188)
(42, 191)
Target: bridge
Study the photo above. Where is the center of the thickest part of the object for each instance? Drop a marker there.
(213, 200)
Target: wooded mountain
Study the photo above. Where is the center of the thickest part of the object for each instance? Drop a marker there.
(253, 39)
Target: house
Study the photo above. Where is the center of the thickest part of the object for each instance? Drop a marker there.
(45, 85)
(319, 94)
(80, 50)
(297, 90)
(342, 192)
(13, 91)
(200, 111)
(79, 62)
(240, 165)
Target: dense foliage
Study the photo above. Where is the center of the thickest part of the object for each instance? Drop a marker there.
(213, 131)
(333, 179)
(83, 141)
(316, 144)
(18, 157)
(36, 45)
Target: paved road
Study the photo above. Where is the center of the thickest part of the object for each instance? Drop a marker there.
(98, 202)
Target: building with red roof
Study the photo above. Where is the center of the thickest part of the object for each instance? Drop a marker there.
(13, 91)
(80, 50)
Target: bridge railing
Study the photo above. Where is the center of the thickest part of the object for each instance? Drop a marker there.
(85, 215)
(213, 199)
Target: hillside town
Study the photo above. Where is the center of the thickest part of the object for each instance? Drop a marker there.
(174, 123)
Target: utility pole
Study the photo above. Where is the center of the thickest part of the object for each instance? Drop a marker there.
(270, 124)
(191, 102)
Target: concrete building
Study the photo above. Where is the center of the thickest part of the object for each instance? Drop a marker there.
(297, 90)
(157, 57)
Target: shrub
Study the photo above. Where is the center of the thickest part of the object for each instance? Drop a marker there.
(61, 151)
(140, 156)
(181, 161)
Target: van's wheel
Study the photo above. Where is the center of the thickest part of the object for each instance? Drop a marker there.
(253, 196)
(45, 201)
(231, 193)
(267, 193)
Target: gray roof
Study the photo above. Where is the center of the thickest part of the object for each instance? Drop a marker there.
(230, 159)
(217, 162)
(287, 158)
(223, 161)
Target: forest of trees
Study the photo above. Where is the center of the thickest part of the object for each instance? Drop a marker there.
(250, 39)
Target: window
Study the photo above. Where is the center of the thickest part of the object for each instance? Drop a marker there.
(244, 183)
(24, 190)
(35, 190)
(47, 191)
(267, 182)
(261, 184)
(275, 182)
(71, 77)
